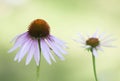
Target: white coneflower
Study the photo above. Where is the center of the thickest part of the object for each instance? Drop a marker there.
(93, 44)
(36, 40)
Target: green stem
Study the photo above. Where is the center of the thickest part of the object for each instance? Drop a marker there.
(38, 67)
(38, 74)
(94, 66)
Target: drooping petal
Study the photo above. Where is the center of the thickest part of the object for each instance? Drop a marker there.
(20, 40)
(49, 49)
(58, 41)
(24, 49)
(95, 52)
(14, 39)
(31, 52)
(21, 37)
(99, 48)
(52, 57)
(16, 57)
(37, 53)
(18, 36)
(55, 50)
(60, 49)
(45, 50)
(57, 46)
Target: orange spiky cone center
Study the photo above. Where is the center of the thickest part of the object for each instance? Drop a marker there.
(39, 28)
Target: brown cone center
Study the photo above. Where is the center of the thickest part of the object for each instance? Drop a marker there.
(93, 42)
(39, 28)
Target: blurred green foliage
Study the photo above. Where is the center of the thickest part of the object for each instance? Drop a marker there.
(66, 18)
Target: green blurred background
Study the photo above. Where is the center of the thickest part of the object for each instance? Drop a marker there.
(66, 18)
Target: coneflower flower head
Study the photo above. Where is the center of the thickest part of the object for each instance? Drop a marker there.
(39, 28)
(38, 40)
(95, 42)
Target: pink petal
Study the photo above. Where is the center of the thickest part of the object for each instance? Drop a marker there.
(58, 41)
(25, 48)
(55, 50)
(45, 50)
(57, 46)
(19, 42)
(31, 52)
(37, 53)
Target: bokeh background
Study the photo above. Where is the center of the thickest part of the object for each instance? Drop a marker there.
(66, 18)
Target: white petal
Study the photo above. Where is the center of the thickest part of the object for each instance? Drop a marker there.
(95, 52)
(95, 34)
(37, 53)
(76, 40)
(45, 50)
(81, 37)
(86, 46)
(101, 35)
(99, 48)
(105, 37)
(107, 41)
(88, 36)
(106, 45)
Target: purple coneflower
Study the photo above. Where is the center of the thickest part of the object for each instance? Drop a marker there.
(93, 44)
(36, 40)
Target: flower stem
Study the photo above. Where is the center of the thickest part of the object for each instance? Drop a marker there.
(94, 67)
(38, 67)
(38, 74)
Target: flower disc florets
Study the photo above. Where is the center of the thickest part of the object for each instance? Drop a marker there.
(39, 28)
(93, 42)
